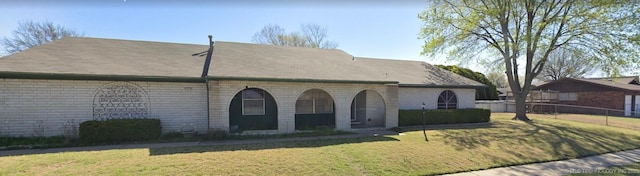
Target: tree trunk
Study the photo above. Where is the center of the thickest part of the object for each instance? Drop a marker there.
(521, 107)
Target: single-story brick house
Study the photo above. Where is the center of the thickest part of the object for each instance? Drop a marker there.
(237, 87)
(622, 93)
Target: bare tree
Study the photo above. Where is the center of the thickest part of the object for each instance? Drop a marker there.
(498, 79)
(564, 63)
(312, 36)
(30, 34)
(317, 36)
(269, 34)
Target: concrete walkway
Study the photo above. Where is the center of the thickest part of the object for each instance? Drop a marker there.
(592, 164)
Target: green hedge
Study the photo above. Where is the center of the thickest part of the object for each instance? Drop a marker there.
(443, 116)
(119, 130)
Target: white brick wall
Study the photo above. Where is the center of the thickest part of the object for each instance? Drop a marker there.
(286, 94)
(412, 98)
(375, 109)
(29, 106)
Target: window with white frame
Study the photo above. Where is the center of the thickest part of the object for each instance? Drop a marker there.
(447, 100)
(314, 102)
(568, 96)
(253, 102)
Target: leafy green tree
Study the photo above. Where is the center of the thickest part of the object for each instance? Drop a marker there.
(30, 34)
(524, 32)
(312, 36)
(482, 93)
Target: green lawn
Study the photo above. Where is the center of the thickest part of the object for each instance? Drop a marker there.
(504, 142)
(624, 122)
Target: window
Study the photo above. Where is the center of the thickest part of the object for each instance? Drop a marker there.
(314, 102)
(253, 102)
(566, 96)
(447, 100)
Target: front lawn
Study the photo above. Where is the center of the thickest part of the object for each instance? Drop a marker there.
(624, 122)
(502, 143)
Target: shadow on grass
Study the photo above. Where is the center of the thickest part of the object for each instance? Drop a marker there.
(561, 140)
(272, 144)
(449, 126)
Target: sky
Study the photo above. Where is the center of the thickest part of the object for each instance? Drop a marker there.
(363, 28)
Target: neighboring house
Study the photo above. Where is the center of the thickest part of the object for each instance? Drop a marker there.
(622, 93)
(246, 87)
(504, 93)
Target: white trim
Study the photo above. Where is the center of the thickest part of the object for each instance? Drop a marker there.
(263, 103)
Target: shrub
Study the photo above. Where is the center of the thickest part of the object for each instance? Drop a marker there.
(172, 135)
(30, 142)
(216, 134)
(119, 130)
(443, 116)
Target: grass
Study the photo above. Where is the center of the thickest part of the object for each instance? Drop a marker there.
(502, 143)
(16, 143)
(624, 122)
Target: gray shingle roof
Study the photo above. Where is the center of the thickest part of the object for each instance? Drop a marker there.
(416, 73)
(612, 83)
(241, 60)
(621, 79)
(77, 55)
(94, 56)
(606, 82)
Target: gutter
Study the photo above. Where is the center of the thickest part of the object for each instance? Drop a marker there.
(205, 72)
(298, 80)
(73, 76)
(441, 86)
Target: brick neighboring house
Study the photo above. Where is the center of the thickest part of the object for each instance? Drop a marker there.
(622, 93)
(248, 88)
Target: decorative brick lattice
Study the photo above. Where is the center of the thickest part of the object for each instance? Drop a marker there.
(120, 100)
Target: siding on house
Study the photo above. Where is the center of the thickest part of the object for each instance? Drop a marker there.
(412, 98)
(595, 92)
(42, 107)
(169, 77)
(286, 93)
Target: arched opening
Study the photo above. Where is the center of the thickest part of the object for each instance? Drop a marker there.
(314, 109)
(447, 100)
(253, 109)
(368, 110)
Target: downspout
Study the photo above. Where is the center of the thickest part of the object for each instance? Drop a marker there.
(205, 72)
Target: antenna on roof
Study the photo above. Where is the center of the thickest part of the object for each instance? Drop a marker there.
(207, 61)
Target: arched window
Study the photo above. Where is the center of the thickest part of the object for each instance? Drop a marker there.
(447, 100)
(314, 102)
(253, 102)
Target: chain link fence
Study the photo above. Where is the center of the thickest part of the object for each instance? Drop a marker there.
(604, 116)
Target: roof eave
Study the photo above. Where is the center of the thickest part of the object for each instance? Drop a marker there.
(299, 80)
(95, 77)
(441, 86)
(542, 87)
